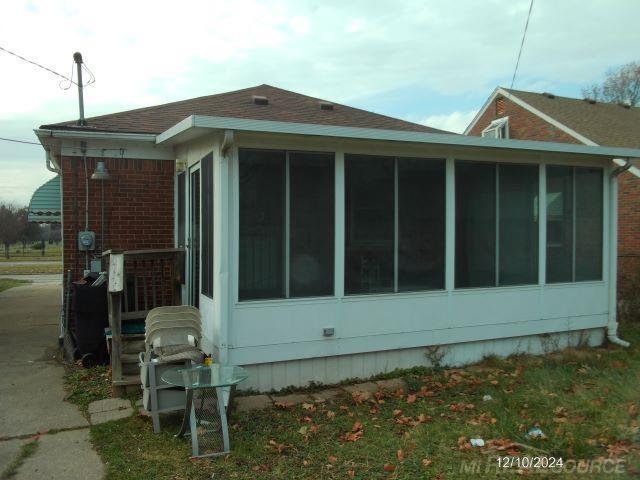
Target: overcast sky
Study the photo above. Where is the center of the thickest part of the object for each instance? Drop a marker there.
(428, 61)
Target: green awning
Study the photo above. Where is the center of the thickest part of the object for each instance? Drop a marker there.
(45, 205)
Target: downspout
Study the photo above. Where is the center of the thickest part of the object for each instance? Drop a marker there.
(50, 167)
(612, 327)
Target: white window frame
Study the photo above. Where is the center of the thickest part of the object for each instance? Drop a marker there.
(498, 128)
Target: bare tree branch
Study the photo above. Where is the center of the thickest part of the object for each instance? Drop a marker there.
(622, 85)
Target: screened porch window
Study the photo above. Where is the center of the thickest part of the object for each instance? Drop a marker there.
(496, 224)
(286, 224)
(574, 224)
(206, 171)
(394, 236)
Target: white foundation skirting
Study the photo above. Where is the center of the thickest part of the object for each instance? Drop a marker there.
(329, 370)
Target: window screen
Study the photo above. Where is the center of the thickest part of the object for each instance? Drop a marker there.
(518, 224)
(312, 220)
(588, 224)
(574, 224)
(369, 216)
(262, 215)
(181, 209)
(395, 221)
(475, 224)
(206, 167)
(287, 220)
(421, 224)
(559, 224)
(496, 224)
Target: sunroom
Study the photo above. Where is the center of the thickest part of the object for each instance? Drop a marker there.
(320, 253)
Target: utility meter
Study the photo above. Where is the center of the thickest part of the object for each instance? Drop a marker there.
(86, 241)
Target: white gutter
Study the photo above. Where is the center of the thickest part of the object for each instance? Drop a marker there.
(267, 126)
(612, 326)
(134, 137)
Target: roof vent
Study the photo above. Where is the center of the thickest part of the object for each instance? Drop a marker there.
(589, 100)
(326, 105)
(549, 95)
(624, 105)
(260, 100)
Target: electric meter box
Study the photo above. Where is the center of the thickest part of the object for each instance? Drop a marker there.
(86, 241)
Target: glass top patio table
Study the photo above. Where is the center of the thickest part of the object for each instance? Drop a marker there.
(205, 376)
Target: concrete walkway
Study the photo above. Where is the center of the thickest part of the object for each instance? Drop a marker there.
(32, 394)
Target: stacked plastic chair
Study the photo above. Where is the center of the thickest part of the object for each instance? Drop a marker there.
(172, 338)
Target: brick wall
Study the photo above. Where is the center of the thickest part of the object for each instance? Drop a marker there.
(523, 125)
(138, 206)
(628, 226)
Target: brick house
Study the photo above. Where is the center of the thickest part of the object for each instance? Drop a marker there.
(546, 117)
(325, 242)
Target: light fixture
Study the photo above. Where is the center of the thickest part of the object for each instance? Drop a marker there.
(101, 172)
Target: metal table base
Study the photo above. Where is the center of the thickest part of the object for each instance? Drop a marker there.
(206, 417)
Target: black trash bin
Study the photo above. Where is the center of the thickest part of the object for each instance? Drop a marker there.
(92, 316)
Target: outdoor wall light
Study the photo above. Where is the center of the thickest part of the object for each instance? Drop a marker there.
(101, 172)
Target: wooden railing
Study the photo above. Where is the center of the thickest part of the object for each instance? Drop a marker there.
(139, 280)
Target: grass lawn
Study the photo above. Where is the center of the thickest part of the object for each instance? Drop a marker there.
(29, 269)
(7, 283)
(16, 253)
(586, 402)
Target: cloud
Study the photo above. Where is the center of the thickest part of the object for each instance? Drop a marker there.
(453, 122)
(445, 56)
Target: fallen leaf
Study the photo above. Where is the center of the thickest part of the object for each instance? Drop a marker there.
(332, 459)
(309, 407)
(411, 398)
(422, 418)
(426, 462)
(389, 467)
(351, 472)
(331, 414)
(400, 455)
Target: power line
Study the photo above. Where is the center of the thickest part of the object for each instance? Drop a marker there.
(524, 35)
(18, 141)
(37, 65)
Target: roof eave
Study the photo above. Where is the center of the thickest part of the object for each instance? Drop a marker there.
(185, 129)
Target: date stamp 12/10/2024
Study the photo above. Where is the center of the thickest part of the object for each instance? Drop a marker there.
(547, 464)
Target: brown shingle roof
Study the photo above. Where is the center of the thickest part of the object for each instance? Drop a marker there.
(284, 106)
(607, 124)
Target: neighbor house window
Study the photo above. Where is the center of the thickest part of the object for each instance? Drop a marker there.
(497, 129)
(496, 224)
(286, 224)
(394, 237)
(574, 224)
(206, 172)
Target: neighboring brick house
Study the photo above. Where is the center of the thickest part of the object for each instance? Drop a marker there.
(546, 117)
